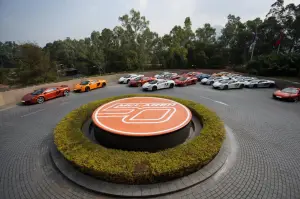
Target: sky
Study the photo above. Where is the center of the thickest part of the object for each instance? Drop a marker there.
(43, 21)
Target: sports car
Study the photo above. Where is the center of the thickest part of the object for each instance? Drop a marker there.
(40, 95)
(163, 75)
(211, 80)
(220, 74)
(171, 76)
(228, 84)
(126, 79)
(289, 93)
(158, 84)
(260, 83)
(202, 76)
(185, 81)
(139, 81)
(192, 74)
(87, 85)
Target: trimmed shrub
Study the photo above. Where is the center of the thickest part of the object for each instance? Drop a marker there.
(138, 167)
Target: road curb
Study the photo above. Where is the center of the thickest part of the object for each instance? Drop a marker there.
(141, 191)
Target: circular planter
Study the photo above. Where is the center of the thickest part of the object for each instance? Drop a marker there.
(129, 167)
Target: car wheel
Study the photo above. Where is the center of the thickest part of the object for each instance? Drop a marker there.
(171, 86)
(185, 84)
(127, 81)
(104, 84)
(154, 88)
(40, 100)
(241, 86)
(139, 84)
(255, 86)
(296, 99)
(87, 89)
(193, 82)
(66, 93)
(271, 85)
(225, 87)
(211, 83)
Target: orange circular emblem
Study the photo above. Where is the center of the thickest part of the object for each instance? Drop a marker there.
(142, 116)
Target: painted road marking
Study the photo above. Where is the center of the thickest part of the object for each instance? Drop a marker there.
(63, 103)
(142, 116)
(219, 102)
(7, 108)
(33, 113)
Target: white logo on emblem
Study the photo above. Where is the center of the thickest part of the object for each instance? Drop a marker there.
(130, 112)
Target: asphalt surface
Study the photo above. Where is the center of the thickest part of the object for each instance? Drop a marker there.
(267, 156)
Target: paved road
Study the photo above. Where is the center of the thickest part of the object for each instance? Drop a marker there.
(267, 158)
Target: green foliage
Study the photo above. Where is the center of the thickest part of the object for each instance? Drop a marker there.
(275, 65)
(132, 46)
(138, 167)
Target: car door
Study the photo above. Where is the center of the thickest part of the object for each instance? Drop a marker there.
(161, 84)
(93, 84)
(236, 84)
(263, 84)
(50, 93)
(231, 84)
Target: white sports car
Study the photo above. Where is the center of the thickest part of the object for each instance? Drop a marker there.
(163, 74)
(228, 84)
(260, 83)
(211, 80)
(125, 79)
(158, 84)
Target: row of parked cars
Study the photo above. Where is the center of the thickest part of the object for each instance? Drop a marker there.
(160, 81)
(222, 81)
(236, 81)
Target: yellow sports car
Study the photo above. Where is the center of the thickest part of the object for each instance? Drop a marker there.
(87, 85)
(220, 74)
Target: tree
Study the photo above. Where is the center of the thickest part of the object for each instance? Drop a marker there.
(132, 45)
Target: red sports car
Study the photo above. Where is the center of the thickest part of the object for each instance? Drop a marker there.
(191, 74)
(140, 81)
(40, 95)
(289, 93)
(185, 81)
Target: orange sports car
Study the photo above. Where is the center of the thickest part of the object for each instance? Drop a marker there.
(289, 93)
(192, 74)
(40, 95)
(140, 81)
(87, 85)
(220, 74)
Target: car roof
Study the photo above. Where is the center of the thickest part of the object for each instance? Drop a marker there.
(293, 87)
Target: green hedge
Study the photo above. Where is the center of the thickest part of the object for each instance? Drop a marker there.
(138, 167)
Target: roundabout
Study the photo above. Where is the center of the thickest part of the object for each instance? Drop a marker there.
(264, 164)
(173, 155)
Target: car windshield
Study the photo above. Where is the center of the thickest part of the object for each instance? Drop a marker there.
(153, 82)
(127, 76)
(38, 92)
(84, 82)
(182, 78)
(224, 81)
(290, 90)
(137, 78)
